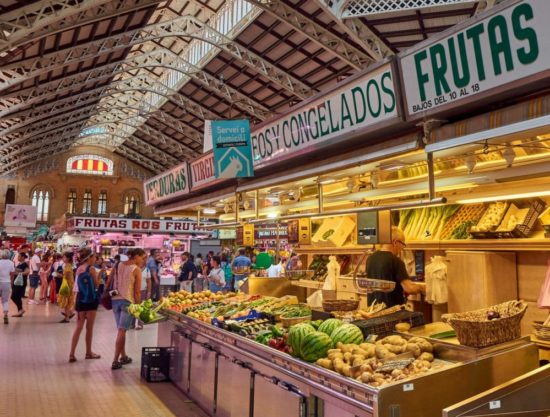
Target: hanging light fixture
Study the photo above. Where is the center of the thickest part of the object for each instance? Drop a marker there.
(470, 162)
(509, 155)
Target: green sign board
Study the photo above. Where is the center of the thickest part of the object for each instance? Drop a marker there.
(480, 58)
(231, 146)
(168, 185)
(355, 107)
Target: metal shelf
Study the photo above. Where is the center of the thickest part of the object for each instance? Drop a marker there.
(329, 250)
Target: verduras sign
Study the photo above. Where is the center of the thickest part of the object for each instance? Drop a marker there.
(133, 225)
(361, 103)
(168, 185)
(508, 45)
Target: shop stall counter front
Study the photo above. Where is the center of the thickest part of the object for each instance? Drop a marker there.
(229, 375)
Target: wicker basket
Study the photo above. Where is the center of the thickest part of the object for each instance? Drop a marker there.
(291, 321)
(340, 305)
(465, 213)
(475, 330)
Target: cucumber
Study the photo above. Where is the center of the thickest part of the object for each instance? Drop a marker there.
(443, 335)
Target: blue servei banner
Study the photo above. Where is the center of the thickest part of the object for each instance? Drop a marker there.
(231, 146)
(362, 103)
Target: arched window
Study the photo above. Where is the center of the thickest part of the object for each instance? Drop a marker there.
(132, 202)
(90, 165)
(40, 198)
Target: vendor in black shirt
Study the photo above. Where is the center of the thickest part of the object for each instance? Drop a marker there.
(385, 264)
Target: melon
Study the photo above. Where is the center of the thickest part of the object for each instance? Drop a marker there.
(315, 346)
(328, 326)
(296, 334)
(347, 334)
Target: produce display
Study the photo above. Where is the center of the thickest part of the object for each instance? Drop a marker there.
(146, 311)
(426, 223)
(331, 343)
(378, 364)
(491, 218)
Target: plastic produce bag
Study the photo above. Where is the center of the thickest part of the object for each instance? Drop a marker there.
(436, 281)
(544, 296)
(315, 300)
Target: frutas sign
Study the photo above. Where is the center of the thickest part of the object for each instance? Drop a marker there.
(362, 103)
(168, 185)
(508, 45)
(133, 225)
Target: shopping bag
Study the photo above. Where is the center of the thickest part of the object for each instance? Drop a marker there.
(65, 290)
(544, 296)
(315, 300)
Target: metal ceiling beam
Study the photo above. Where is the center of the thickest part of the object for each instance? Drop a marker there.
(158, 58)
(137, 157)
(185, 27)
(317, 33)
(358, 31)
(24, 21)
(346, 9)
(84, 13)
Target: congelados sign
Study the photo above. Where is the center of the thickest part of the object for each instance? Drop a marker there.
(360, 104)
(170, 184)
(508, 45)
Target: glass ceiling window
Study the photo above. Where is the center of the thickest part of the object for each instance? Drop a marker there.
(89, 165)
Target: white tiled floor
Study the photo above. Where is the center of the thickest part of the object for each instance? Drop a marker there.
(37, 381)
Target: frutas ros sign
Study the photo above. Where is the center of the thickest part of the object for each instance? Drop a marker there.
(362, 103)
(509, 44)
(170, 184)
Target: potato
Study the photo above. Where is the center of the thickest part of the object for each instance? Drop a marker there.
(366, 346)
(397, 349)
(426, 346)
(358, 361)
(396, 372)
(325, 363)
(338, 366)
(366, 377)
(336, 355)
(366, 368)
(334, 351)
(426, 356)
(359, 351)
(394, 340)
(347, 357)
(346, 370)
(414, 348)
(339, 345)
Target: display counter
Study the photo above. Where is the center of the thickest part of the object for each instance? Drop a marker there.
(229, 375)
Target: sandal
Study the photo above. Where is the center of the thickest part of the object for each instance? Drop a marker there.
(116, 365)
(5, 319)
(63, 321)
(125, 360)
(92, 356)
(72, 359)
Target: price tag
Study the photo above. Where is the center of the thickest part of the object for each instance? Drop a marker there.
(493, 405)
(408, 387)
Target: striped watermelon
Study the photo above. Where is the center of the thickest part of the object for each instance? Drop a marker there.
(296, 334)
(315, 346)
(347, 334)
(329, 325)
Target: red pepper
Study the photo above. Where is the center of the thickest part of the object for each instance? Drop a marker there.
(272, 343)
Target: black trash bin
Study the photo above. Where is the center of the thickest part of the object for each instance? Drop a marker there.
(155, 363)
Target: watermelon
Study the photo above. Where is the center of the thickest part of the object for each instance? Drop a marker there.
(315, 346)
(329, 325)
(347, 334)
(296, 334)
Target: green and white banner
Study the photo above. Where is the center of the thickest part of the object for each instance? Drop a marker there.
(510, 44)
(362, 103)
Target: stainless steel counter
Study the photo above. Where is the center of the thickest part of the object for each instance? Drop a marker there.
(229, 375)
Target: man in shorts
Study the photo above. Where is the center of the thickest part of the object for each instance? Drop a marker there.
(34, 276)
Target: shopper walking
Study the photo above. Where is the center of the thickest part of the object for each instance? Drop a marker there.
(188, 274)
(152, 264)
(7, 268)
(45, 271)
(57, 275)
(34, 277)
(87, 302)
(242, 264)
(22, 271)
(126, 284)
(66, 296)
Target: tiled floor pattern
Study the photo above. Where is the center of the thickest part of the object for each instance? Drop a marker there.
(36, 379)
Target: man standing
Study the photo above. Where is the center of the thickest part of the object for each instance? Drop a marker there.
(155, 278)
(385, 264)
(188, 273)
(242, 263)
(34, 277)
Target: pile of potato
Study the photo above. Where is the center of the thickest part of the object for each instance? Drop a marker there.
(362, 361)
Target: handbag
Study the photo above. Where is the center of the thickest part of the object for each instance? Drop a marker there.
(106, 299)
(19, 280)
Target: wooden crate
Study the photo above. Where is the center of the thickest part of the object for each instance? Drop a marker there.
(471, 212)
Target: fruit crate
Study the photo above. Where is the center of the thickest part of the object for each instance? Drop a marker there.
(489, 234)
(386, 324)
(535, 208)
(470, 212)
(155, 363)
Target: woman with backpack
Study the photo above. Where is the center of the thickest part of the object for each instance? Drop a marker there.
(87, 302)
(126, 283)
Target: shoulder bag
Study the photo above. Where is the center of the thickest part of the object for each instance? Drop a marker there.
(106, 299)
